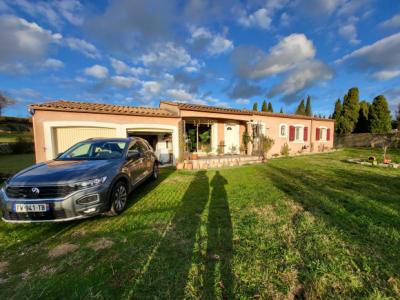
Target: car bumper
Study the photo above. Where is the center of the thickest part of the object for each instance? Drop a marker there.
(58, 210)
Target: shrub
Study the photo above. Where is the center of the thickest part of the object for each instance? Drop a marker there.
(285, 150)
(22, 145)
(266, 144)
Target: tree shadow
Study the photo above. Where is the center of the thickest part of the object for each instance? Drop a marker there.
(219, 242)
(166, 272)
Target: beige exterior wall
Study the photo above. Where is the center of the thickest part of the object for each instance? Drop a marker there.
(44, 123)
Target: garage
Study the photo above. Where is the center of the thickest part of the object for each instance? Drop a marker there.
(159, 139)
(65, 137)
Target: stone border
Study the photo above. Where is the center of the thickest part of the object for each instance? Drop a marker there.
(366, 163)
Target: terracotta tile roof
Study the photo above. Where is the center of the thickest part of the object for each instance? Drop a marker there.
(214, 109)
(206, 108)
(86, 107)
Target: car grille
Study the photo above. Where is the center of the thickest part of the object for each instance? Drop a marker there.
(45, 192)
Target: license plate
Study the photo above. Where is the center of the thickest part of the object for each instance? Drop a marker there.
(26, 208)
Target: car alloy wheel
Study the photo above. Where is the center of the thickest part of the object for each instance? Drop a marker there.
(155, 171)
(119, 198)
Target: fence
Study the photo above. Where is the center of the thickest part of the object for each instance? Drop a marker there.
(355, 140)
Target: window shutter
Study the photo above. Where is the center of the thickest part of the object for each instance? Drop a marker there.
(305, 134)
(291, 133)
(328, 134)
(317, 135)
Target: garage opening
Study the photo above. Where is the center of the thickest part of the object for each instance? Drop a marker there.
(160, 140)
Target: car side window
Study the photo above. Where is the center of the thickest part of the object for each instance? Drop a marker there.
(134, 148)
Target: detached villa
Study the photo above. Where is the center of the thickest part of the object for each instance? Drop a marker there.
(176, 128)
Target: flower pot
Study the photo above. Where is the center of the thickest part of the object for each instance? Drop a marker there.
(194, 156)
(179, 166)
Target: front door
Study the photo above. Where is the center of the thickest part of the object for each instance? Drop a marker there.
(231, 138)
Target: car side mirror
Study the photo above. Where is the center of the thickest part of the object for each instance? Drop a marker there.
(133, 155)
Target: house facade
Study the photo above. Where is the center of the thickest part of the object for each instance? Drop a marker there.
(176, 128)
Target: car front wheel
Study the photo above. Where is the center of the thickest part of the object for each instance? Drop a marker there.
(119, 197)
(155, 173)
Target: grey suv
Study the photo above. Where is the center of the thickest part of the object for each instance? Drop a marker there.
(92, 177)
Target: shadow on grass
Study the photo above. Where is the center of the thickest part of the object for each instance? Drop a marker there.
(362, 204)
(166, 273)
(219, 242)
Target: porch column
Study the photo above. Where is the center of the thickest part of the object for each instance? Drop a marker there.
(250, 144)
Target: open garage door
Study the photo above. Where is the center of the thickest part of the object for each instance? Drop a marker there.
(159, 139)
(65, 137)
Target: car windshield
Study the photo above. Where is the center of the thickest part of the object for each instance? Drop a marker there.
(94, 150)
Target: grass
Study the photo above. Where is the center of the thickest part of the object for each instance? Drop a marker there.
(306, 227)
(12, 163)
(12, 137)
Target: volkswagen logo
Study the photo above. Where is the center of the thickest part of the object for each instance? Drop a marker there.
(35, 191)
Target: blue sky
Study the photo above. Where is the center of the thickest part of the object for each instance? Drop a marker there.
(223, 53)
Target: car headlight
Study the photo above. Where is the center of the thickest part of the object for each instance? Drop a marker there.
(89, 183)
(5, 184)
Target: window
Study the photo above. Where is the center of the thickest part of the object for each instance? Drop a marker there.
(94, 150)
(298, 133)
(283, 130)
(323, 134)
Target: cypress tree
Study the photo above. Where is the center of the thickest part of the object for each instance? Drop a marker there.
(301, 110)
(398, 117)
(308, 107)
(264, 106)
(351, 107)
(270, 109)
(363, 123)
(281, 111)
(255, 106)
(380, 120)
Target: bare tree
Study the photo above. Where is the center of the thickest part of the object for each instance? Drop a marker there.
(385, 141)
(5, 101)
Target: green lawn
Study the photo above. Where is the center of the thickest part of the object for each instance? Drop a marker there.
(311, 227)
(12, 137)
(12, 163)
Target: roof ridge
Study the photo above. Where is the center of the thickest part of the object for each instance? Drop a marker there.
(94, 103)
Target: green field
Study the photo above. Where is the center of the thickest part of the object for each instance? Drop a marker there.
(12, 163)
(12, 137)
(311, 227)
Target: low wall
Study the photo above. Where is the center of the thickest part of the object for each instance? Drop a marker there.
(355, 140)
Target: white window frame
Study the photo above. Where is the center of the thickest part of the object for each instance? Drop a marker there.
(280, 130)
(301, 133)
(323, 138)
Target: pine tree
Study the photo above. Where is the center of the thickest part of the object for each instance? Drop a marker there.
(270, 109)
(308, 107)
(363, 123)
(350, 111)
(264, 106)
(338, 109)
(255, 106)
(379, 116)
(281, 111)
(301, 110)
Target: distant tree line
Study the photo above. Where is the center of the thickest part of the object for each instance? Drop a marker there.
(352, 115)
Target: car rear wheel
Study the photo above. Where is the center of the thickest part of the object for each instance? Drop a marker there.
(119, 198)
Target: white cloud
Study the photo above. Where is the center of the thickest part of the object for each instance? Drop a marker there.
(317, 7)
(97, 71)
(393, 22)
(302, 77)
(382, 58)
(285, 19)
(22, 40)
(83, 46)
(260, 18)
(386, 74)
(122, 68)
(150, 88)
(242, 101)
(124, 82)
(54, 12)
(52, 63)
(168, 56)
(180, 95)
(290, 51)
(349, 32)
(203, 39)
